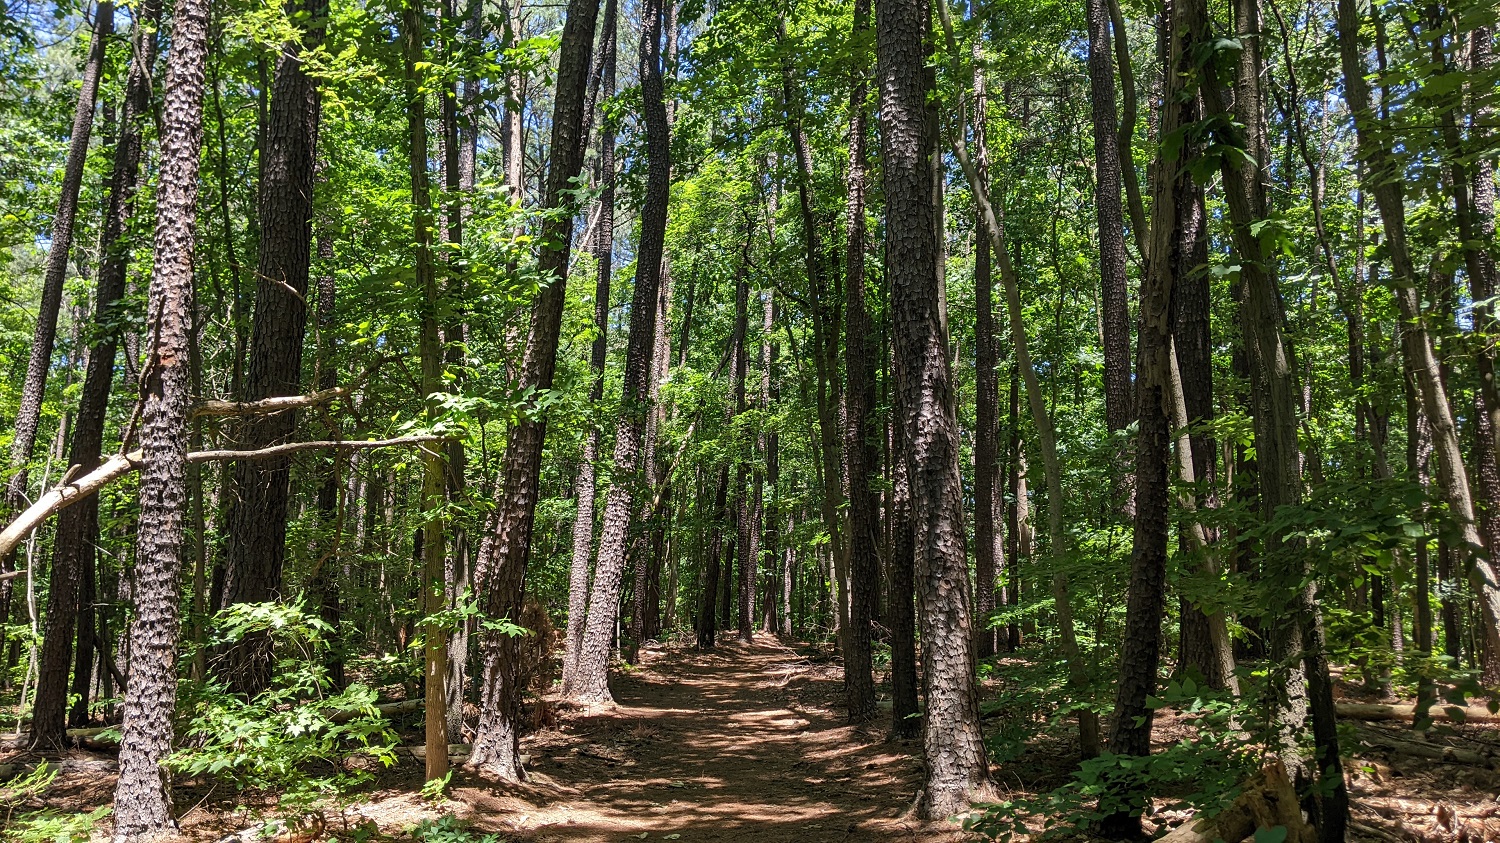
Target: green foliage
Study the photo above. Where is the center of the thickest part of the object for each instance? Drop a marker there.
(450, 830)
(1200, 773)
(296, 737)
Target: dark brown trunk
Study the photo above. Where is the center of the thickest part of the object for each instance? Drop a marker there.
(988, 548)
(258, 492)
(707, 625)
(500, 572)
(861, 451)
(1109, 213)
(142, 800)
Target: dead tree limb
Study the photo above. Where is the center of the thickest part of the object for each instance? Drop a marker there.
(120, 465)
(1455, 713)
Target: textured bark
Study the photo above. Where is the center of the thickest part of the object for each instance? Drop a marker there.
(501, 568)
(860, 436)
(1140, 651)
(591, 682)
(957, 770)
(34, 387)
(142, 801)
(1298, 635)
(584, 486)
(988, 548)
(258, 492)
(906, 718)
(324, 584)
(706, 624)
(78, 527)
(1115, 307)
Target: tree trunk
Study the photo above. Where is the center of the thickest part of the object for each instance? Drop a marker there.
(987, 546)
(78, 527)
(142, 801)
(584, 486)
(500, 572)
(256, 522)
(591, 682)
(1140, 652)
(957, 771)
(1118, 403)
(860, 449)
(433, 557)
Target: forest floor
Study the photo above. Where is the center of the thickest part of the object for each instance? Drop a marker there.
(748, 744)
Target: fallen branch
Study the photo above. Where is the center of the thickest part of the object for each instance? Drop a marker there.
(119, 465)
(1437, 752)
(1268, 801)
(215, 409)
(1455, 713)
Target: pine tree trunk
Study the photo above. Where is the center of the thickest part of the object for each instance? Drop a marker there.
(584, 487)
(988, 549)
(591, 683)
(956, 767)
(1118, 397)
(501, 568)
(78, 525)
(256, 522)
(142, 801)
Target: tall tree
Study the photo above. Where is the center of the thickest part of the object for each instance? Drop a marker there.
(584, 486)
(78, 526)
(44, 336)
(591, 684)
(500, 573)
(957, 770)
(1109, 214)
(142, 800)
(988, 547)
(258, 493)
(860, 437)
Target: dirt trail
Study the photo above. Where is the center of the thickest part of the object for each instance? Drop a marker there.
(744, 744)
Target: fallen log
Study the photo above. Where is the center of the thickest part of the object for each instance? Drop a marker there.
(1379, 711)
(1267, 801)
(1437, 752)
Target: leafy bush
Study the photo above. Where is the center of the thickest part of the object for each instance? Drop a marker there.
(295, 736)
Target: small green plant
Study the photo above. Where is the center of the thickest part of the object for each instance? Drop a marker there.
(436, 790)
(450, 830)
(53, 827)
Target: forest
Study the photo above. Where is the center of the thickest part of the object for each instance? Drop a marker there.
(477, 421)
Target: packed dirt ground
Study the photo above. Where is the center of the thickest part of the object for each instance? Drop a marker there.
(748, 744)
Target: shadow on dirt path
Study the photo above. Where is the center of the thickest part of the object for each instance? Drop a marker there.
(744, 744)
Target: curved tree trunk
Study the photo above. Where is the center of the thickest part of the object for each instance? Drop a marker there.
(591, 682)
(500, 572)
